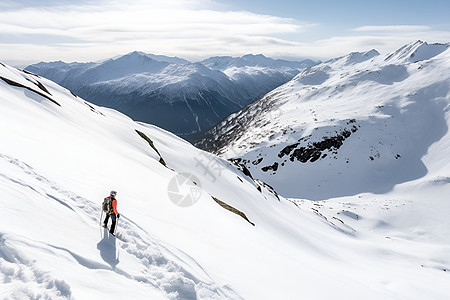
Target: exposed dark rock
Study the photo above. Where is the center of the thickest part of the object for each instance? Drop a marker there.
(39, 85)
(93, 108)
(241, 166)
(304, 154)
(13, 83)
(42, 87)
(268, 187)
(150, 142)
(314, 151)
(287, 150)
(235, 160)
(257, 162)
(30, 73)
(273, 167)
(232, 209)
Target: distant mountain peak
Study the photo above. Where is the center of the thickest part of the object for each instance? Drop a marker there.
(136, 53)
(133, 56)
(355, 57)
(417, 51)
(255, 56)
(255, 60)
(358, 57)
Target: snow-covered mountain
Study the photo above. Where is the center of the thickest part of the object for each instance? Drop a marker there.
(192, 226)
(177, 95)
(257, 74)
(359, 123)
(224, 63)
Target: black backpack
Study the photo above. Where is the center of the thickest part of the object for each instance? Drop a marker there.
(107, 205)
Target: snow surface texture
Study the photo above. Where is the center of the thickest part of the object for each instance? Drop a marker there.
(150, 87)
(60, 156)
(358, 123)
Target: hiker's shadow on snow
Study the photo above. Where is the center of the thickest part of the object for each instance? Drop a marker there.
(108, 249)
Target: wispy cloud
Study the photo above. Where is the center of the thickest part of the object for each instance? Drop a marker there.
(194, 29)
(158, 26)
(393, 28)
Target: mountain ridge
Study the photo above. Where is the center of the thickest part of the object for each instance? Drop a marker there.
(146, 86)
(318, 118)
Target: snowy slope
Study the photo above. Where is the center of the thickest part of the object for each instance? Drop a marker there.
(60, 156)
(359, 123)
(147, 87)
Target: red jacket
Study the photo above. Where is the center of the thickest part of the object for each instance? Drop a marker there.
(114, 205)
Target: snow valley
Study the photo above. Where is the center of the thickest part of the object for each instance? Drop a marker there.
(150, 88)
(336, 188)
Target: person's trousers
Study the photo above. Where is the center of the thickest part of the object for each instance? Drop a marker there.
(113, 220)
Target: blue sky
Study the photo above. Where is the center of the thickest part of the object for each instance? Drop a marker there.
(86, 30)
(351, 12)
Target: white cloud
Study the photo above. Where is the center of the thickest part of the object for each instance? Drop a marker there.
(194, 29)
(393, 28)
(156, 26)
